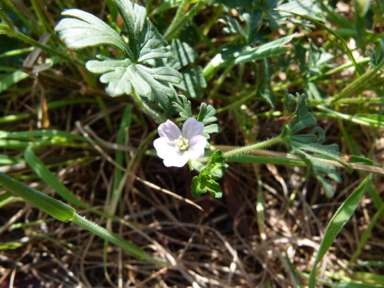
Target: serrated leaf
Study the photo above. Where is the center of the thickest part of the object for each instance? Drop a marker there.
(298, 144)
(84, 30)
(213, 128)
(206, 180)
(183, 54)
(267, 50)
(183, 106)
(122, 75)
(193, 79)
(206, 114)
(144, 45)
(303, 117)
(288, 101)
(247, 54)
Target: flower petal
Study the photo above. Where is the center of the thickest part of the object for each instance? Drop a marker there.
(179, 161)
(165, 148)
(169, 130)
(192, 127)
(196, 147)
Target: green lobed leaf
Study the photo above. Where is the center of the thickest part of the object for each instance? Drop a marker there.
(247, 54)
(213, 128)
(83, 29)
(192, 79)
(183, 55)
(144, 44)
(197, 188)
(267, 50)
(123, 75)
(298, 144)
(183, 106)
(206, 180)
(206, 114)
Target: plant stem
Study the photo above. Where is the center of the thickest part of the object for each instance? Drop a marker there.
(158, 117)
(355, 85)
(174, 29)
(252, 147)
(247, 149)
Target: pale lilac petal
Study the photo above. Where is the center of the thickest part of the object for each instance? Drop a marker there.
(169, 130)
(179, 161)
(192, 127)
(196, 147)
(165, 148)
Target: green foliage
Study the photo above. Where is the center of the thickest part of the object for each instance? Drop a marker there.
(206, 116)
(301, 144)
(192, 78)
(251, 33)
(339, 219)
(206, 180)
(376, 55)
(144, 44)
(183, 106)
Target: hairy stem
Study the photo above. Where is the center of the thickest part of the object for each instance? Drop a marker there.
(157, 116)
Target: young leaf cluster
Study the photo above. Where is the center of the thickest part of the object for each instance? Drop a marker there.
(303, 143)
(144, 44)
(206, 180)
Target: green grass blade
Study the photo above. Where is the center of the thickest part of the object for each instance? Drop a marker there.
(12, 79)
(367, 233)
(53, 207)
(104, 233)
(341, 217)
(46, 175)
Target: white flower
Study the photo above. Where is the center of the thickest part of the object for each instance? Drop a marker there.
(177, 147)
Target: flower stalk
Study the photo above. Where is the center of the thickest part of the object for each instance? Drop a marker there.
(247, 149)
(157, 116)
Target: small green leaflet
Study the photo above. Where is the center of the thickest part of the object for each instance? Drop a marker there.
(206, 116)
(81, 29)
(206, 180)
(183, 106)
(301, 144)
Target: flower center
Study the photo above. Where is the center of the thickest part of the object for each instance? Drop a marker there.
(182, 144)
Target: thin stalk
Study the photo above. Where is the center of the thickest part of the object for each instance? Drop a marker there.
(318, 23)
(349, 100)
(238, 102)
(158, 117)
(355, 85)
(171, 33)
(247, 149)
(178, 14)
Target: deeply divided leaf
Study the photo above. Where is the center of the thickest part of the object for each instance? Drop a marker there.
(301, 144)
(206, 180)
(145, 43)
